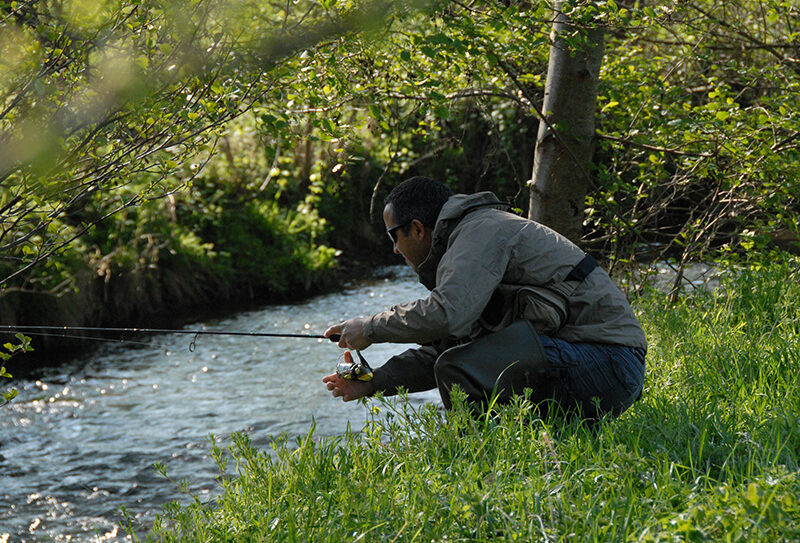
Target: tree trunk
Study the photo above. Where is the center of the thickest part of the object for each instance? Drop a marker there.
(560, 177)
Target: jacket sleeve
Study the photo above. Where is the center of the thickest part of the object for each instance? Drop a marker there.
(412, 370)
(470, 269)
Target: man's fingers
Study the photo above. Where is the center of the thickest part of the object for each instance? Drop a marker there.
(341, 388)
(336, 329)
(348, 334)
(336, 334)
(343, 393)
(337, 386)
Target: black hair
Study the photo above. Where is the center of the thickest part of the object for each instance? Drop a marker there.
(418, 198)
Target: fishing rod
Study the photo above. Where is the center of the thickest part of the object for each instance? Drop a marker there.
(196, 332)
(70, 331)
(349, 369)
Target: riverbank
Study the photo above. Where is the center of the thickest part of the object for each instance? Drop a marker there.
(712, 452)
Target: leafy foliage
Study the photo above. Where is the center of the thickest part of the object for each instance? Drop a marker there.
(103, 95)
(134, 134)
(120, 95)
(9, 349)
(697, 143)
(110, 110)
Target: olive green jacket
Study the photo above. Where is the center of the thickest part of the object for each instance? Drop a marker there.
(487, 268)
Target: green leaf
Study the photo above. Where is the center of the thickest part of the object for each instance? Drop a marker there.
(428, 51)
(611, 104)
(752, 495)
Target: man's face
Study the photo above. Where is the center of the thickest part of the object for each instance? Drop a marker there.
(413, 245)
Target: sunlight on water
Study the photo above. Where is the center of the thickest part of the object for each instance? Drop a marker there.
(81, 439)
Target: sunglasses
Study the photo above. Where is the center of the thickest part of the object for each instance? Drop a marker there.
(393, 230)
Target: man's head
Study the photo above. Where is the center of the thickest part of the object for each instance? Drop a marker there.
(410, 215)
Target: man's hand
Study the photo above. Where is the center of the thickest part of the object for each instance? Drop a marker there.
(346, 389)
(352, 334)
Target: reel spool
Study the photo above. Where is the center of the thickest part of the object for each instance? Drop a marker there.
(354, 371)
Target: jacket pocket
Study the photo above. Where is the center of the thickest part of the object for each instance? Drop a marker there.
(546, 309)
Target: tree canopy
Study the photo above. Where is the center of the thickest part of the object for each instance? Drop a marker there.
(106, 106)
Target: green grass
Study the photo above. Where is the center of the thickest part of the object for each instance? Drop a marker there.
(709, 454)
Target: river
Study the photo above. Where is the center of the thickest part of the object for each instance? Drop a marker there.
(81, 439)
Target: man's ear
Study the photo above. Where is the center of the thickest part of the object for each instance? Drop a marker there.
(418, 229)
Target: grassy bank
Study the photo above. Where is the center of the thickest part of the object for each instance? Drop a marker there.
(710, 454)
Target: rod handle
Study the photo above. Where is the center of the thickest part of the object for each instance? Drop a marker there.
(335, 337)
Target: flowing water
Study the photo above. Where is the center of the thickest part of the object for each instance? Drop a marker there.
(81, 439)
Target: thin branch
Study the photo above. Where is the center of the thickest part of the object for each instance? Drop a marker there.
(668, 150)
(741, 47)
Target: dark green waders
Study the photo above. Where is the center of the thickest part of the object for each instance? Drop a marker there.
(503, 363)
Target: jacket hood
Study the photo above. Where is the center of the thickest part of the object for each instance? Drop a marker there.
(451, 214)
(459, 204)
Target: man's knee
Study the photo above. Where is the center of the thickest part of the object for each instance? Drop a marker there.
(448, 365)
(451, 369)
(504, 362)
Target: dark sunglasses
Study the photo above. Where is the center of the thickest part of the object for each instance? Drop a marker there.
(393, 230)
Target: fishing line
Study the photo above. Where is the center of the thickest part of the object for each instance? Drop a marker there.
(90, 338)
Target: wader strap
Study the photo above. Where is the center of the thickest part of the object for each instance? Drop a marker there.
(582, 269)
